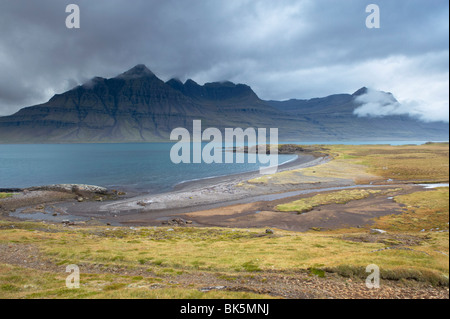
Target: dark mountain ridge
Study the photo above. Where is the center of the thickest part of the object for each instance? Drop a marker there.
(136, 106)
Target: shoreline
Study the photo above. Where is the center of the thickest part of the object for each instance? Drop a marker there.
(189, 196)
(301, 159)
(183, 184)
(186, 196)
(237, 200)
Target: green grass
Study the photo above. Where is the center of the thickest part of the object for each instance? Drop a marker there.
(231, 253)
(5, 195)
(369, 163)
(340, 197)
(415, 163)
(36, 284)
(424, 210)
(251, 266)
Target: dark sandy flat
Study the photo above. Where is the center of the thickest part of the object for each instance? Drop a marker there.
(264, 214)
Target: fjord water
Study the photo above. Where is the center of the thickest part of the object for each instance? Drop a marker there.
(140, 167)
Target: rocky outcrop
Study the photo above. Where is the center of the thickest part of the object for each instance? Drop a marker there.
(71, 188)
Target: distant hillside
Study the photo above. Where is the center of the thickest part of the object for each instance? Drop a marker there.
(136, 106)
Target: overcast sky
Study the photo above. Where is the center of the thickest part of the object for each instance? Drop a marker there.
(282, 49)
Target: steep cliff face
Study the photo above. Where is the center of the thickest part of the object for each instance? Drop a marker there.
(133, 106)
(223, 96)
(136, 106)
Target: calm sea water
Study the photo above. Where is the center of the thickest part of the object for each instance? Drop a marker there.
(142, 167)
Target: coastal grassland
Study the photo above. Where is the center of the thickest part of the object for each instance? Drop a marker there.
(423, 211)
(337, 169)
(412, 163)
(362, 164)
(5, 195)
(340, 197)
(25, 283)
(148, 262)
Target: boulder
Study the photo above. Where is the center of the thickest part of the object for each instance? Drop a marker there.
(377, 231)
(176, 222)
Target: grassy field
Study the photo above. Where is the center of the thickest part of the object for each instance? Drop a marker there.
(423, 163)
(162, 262)
(153, 256)
(20, 282)
(341, 197)
(423, 211)
(371, 163)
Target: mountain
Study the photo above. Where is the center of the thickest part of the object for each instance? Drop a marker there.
(334, 116)
(137, 106)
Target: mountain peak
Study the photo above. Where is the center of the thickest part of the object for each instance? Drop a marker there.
(137, 71)
(175, 80)
(361, 91)
(190, 82)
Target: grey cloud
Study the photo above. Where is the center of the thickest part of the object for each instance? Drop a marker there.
(283, 49)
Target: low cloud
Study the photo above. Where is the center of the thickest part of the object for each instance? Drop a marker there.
(379, 104)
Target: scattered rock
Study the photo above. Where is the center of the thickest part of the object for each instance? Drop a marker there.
(72, 188)
(400, 248)
(80, 199)
(68, 223)
(377, 231)
(176, 222)
(29, 287)
(206, 289)
(269, 231)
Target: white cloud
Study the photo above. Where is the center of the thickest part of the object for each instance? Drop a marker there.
(420, 84)
(378, 103)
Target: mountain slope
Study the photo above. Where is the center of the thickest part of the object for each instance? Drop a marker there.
(335, 116)
(136, 106)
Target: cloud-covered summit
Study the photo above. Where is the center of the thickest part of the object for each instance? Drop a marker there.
(375, 103)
